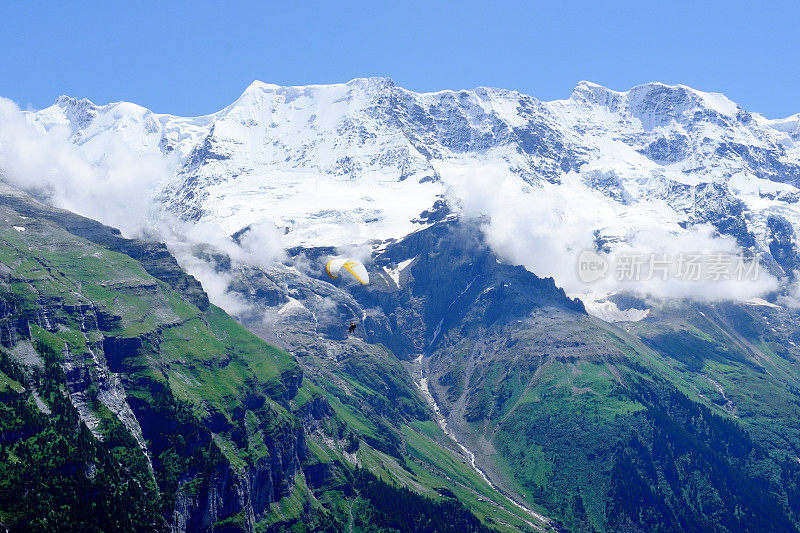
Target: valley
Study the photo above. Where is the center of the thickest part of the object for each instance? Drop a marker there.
(419, 377)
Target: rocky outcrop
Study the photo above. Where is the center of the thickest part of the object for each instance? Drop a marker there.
(235, 500)
(118, 349)
(448, 270)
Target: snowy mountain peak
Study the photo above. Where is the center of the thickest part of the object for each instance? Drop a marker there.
(367, 161)
(77, 113)
(65, 101)
(265, 99)
(789, 125)
(257, 86)
(374, 83)
(655, 100)
(594, 93)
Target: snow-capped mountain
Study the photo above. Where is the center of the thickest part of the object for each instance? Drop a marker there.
(367, 160)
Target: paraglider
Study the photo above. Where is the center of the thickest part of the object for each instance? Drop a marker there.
(349, 265)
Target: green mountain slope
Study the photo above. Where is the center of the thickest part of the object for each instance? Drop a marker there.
(146, 369)
(121, 385)
(607, 434)
(683, 421)
(123, 388)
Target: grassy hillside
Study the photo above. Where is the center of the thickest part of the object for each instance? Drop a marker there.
(611, 432)
(141, 363)
(686, 420)
(120, 383)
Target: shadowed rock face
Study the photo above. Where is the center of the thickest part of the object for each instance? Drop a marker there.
(716, 205)
(117, 349)
(449, 272)
(783, 245)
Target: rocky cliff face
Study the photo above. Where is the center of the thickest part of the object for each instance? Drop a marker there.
(131, 359)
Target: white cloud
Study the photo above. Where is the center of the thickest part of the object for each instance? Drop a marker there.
(546, 228)
(215, 283)
(263, 243)
(119, 189)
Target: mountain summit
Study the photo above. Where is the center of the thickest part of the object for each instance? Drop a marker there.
(279, 152)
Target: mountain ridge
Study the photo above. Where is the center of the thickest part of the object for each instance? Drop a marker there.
(357, 163)
(389, 82)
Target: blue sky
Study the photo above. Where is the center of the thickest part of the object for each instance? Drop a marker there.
(191, 58)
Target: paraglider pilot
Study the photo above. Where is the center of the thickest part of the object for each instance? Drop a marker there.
(352, 327)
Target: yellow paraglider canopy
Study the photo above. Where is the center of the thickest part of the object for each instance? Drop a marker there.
(351, 265)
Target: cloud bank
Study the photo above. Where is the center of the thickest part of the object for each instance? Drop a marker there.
(546, 231)
(120, 190)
